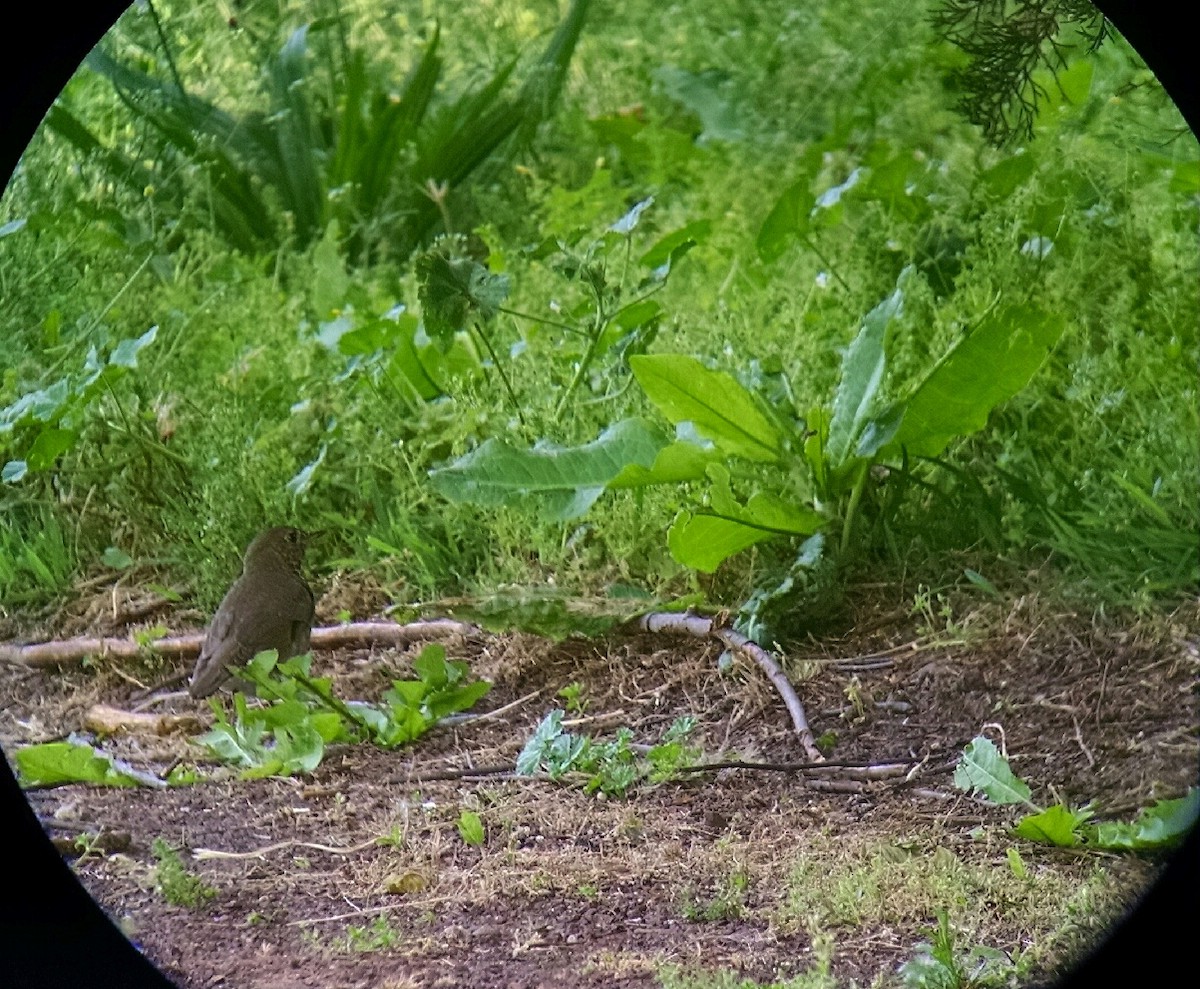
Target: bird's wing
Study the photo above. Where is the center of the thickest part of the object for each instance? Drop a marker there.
(225, 644)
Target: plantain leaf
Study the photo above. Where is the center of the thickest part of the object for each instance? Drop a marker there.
(981, 371)
(684, 390)
(562, 482)
(863, 367)
(984, 770)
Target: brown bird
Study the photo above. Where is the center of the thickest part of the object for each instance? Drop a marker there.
(268, 607)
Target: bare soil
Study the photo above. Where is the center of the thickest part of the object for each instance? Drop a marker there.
(767, 874)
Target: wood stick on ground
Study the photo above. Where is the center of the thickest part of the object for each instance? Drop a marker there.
(706, 628)
(63, 652)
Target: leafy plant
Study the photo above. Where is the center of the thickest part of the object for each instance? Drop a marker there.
(470, 828)
(817, 467)
(379, 935)
(615, 315)
(35, 557)
(727, 903)
(44, 424)
(334, 142)
(289, 735)
(982, 769)
(172, 879)
(572, 696)
(55, 763)
(611, 767)
(939, 965)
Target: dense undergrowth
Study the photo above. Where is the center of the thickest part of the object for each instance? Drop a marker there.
(741, 187)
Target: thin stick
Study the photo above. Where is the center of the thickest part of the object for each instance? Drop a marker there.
(200, 854)
(455, 720)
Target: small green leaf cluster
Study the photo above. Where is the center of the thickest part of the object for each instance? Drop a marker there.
(982, 769)
(728, 902)
(379, 935)
(611, 767)
(290, 734)
(470, 828)
(173, 880)
(940, 965)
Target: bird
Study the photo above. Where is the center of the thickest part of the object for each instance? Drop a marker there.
(268, 607)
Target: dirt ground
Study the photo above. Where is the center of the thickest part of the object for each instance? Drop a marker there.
(765, 874)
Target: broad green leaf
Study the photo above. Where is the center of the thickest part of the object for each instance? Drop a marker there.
(455, 290)
(684, 390)
(1073, 85)
(125, 354)
(327, 724)
(300, 746)
(431, 667)
(664, 249)
(454, 699)
(116, 558)
(764, 510)
(879, 431)
(562, 482)
(706, 94)
(36, 406)
(703, 542)
(982, 769)
(637, 314)
(377, 333)
(330, 281)
(1160, 826)
(982, 370)
(1054, 826)
(53, 763)
(678, 462)
(789, 217)
(863, 368)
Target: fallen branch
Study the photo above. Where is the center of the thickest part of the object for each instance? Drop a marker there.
(706, 628)
(107, 720)
(41, 655)
(847, 770)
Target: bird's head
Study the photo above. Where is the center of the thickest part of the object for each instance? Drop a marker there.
(282, 543)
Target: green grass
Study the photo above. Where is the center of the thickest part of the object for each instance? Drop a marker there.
(1046, 916)
(182, 458)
